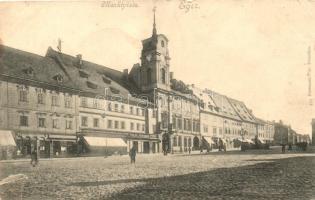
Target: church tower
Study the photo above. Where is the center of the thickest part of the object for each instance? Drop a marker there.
(155, 72)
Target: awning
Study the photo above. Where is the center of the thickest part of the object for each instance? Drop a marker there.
(261, 140)
(105, 142)
(239, 139)
(209, 140)
(249, 141)
(6, 138)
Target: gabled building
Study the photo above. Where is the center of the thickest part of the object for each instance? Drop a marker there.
(54, 103)
(249, 124)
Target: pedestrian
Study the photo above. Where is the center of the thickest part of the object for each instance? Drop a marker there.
(34, 159)
(132, 154)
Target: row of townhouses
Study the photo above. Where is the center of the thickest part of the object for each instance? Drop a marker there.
(62, 104)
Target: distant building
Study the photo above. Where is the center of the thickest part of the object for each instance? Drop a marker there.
(265, 131)
(313, 132)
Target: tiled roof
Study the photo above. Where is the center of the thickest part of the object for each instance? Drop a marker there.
(225, 108)
(242, 110)
(28, 66)
(61, 70)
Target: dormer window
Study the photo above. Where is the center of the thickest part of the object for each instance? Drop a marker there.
(58, 78)
(91, 85)
(29, 71)
(106, 80)
(83, 74)
(114, 90)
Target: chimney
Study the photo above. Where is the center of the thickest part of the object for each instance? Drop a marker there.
(171, 75)
(79, 60)
(193, 85)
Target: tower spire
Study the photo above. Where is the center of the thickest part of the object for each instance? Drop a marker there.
(154, 26)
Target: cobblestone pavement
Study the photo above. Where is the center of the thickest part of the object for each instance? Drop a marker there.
(215, 176)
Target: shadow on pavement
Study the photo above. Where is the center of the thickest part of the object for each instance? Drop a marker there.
(289, 178)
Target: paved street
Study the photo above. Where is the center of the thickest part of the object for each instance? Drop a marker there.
(215, 176)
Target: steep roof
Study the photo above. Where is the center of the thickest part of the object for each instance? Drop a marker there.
(61, 71)
(30, 67)
(225, 108)
(242, 110)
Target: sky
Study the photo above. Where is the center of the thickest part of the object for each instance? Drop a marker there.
(253, 51)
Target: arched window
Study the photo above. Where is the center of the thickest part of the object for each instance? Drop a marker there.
(163, 75)
(149, 76)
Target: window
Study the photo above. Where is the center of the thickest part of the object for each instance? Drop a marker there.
(40, 98)
(131, 110)
(137, 111)
(143, 127)
(138, 127)
(116, 107)
(116, 125)
(41, 122)
(162, 43)
(68, 124)
(142, 112)
(174, 122)
(179, 123)
(122, 125)
(83, 101)
(23, 96)
(55, 123)
(23, 121)
(54, 100)
(122, 108)
(214, 130)
(109, 123)
(95, 103)
(96, 122)
(163, 76)
(109, 106)
(131, 126)
(189, 125)
(84, 121)
(205, 128)
(67, 102)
